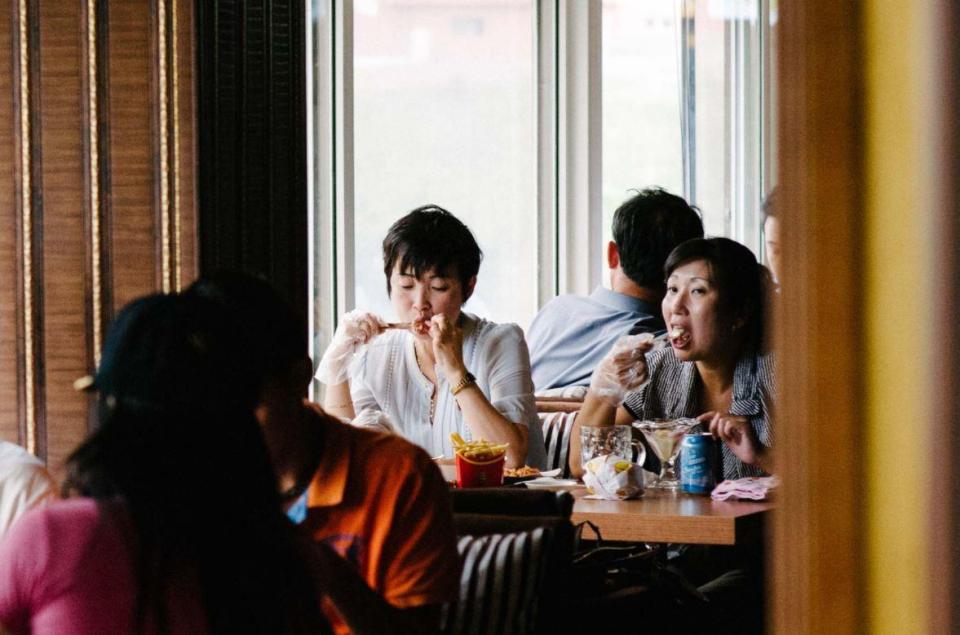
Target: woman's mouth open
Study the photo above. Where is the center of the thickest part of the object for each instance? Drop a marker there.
(679, 337)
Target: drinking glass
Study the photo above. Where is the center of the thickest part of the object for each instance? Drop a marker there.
(601, 440)
(664, 437)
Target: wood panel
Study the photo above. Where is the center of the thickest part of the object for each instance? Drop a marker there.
(29, 227)
(62, 324)
(817, 576)
(97, 193)
(134, 222)
(9, 403)
(184, 119)
(944, 501)
(911, 271)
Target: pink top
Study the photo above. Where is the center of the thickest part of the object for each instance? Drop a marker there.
(66, 569)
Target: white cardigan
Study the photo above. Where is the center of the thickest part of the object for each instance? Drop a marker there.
(386, 378)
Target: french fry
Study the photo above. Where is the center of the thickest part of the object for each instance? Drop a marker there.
(478, 449)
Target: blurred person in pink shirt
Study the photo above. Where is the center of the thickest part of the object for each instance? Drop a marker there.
(177, 527)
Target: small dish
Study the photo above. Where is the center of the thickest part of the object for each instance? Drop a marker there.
(558, 484)
(513, 480)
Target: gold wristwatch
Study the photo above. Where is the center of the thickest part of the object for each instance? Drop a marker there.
(467, 380)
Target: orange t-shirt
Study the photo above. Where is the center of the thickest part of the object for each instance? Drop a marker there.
(381, 503)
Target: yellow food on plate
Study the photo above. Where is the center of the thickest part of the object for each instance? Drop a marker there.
(521, 472)
(478, 449)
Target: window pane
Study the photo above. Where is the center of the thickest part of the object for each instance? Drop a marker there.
(444, 113)
(712, 122)
(641, 101)
(319, 180)
(729, 118)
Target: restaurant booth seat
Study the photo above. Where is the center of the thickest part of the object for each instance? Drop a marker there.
(557, 409)
(556, 437)
(516, 548)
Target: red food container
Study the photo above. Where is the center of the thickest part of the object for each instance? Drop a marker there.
(480, 473)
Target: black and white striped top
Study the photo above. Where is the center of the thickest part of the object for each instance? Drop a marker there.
(673, 391)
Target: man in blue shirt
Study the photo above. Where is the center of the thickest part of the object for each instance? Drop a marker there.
(572, 333)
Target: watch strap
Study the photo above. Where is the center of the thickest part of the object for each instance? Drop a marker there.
(467, 380)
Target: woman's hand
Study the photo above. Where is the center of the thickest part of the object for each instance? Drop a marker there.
(356, 328)
(622, 370)
(447, 340)
(737, 433)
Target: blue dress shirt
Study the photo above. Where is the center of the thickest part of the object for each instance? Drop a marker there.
(572, 333)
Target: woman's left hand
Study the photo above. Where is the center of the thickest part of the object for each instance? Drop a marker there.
(448, 347)
(736, 432)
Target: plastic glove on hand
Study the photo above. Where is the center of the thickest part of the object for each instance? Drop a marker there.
(623, 369)
(356, 329)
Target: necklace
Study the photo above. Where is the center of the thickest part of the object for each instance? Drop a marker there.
(433, 393)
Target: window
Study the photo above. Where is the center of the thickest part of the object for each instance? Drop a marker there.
(444, 113)
(642, 140)
(530, 120)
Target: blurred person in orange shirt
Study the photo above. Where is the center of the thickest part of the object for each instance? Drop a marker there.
(375, 504)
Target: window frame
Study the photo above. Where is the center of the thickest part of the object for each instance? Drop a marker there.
(568, 67)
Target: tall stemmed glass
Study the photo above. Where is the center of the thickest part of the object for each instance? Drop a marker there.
(664, 437)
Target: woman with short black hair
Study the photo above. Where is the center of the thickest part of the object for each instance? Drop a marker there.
(716, 368)
(443, 371)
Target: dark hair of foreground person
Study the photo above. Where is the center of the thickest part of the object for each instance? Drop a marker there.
(178, 443)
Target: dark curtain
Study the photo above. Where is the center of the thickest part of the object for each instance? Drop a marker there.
(251, 123)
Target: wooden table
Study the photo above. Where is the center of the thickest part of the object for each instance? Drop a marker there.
(672, 517)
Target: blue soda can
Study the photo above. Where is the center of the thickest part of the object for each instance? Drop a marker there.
(698, 462)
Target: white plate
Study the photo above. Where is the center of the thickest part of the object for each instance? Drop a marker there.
(553, 483)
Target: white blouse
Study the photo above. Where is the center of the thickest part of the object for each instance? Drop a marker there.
(385, 377)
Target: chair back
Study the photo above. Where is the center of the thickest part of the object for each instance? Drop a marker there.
(516, 550)
(501, 578)
(514, 581)
(556, 438)
(512, 501)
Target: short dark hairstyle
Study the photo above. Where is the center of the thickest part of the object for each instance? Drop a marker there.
(742, 282)
(271, 334)
(646, 228)
(430, 237)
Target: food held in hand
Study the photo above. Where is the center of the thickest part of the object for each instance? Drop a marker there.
(421, 325)
(477, 450)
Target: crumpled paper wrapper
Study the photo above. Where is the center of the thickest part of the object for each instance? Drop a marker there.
(611, 478)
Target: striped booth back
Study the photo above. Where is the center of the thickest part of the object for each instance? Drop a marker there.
(501, 583)
(556, 436)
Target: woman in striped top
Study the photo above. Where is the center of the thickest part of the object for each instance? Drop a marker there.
(716, 368)
(443, 370)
